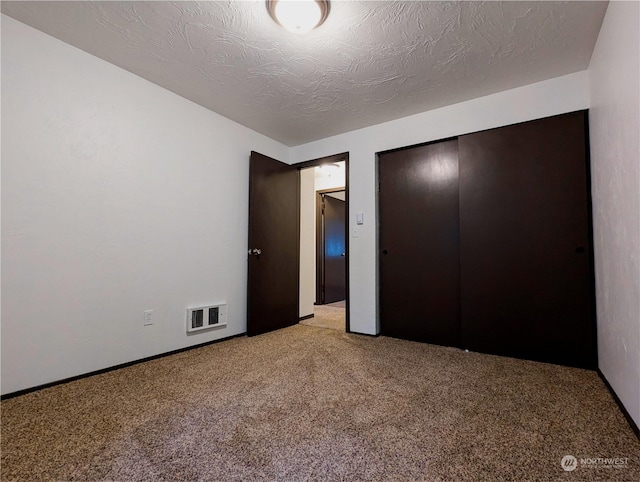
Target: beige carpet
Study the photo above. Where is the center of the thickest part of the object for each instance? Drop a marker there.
(328, 316)
(306, 403)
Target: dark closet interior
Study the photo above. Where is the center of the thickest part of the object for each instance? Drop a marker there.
(485, 242)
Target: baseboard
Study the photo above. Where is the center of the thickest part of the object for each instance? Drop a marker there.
(115, 367)
(631, 422)
(302, 318)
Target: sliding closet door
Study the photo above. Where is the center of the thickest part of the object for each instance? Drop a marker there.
(525, 245)
(419, 243)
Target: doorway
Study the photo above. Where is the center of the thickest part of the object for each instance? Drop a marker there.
(330, 246)
(324, 244)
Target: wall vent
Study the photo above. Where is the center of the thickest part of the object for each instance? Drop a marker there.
(206, 317)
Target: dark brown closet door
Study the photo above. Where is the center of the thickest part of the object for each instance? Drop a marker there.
(419, 243)
(525, 261)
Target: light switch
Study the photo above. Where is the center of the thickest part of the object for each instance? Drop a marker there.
(359, 218)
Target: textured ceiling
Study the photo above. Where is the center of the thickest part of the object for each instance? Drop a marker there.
(369, 62)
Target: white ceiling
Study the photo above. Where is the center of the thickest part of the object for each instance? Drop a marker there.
(333, 174)
(369, 62)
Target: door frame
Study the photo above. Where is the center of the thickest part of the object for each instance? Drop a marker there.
(315, 163)
(320, 242)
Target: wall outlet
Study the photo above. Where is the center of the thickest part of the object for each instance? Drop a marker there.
(148, 317)
(206, 317)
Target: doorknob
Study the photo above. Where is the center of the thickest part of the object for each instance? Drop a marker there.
(255, 251)
(343, 254)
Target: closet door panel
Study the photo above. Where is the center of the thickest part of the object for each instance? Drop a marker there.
(419, 243)
(525, 253)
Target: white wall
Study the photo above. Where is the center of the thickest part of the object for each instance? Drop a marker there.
(338, 195)
(551, 97)
(331, 177)
(117, 197)
(614, 123)
(307, 241)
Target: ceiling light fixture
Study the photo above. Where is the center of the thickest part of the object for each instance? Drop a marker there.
(298, 16)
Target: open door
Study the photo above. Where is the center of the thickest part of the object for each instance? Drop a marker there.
(334, 249)
(272, 286)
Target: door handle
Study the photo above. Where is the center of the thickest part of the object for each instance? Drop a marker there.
(343, 254)
(255, 252)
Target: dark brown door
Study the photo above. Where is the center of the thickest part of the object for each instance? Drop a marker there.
(419, 243)
(272, 288)
(525, 243)
(334, 250)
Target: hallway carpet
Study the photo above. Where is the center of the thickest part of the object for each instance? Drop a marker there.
(306, 403)
(328, 316)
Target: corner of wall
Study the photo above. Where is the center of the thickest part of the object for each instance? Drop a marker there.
(614, 123)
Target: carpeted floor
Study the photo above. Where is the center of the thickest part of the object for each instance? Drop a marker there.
(307, 403)
(328, 316)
